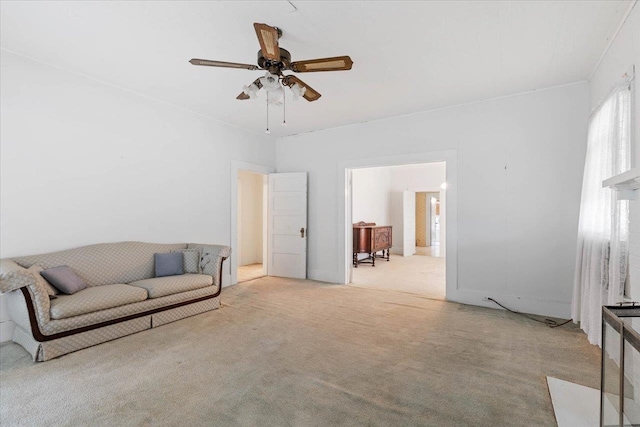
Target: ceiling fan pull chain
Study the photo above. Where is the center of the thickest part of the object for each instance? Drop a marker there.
(267, 131)
(284, 108)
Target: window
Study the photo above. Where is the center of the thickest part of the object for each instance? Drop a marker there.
(603, 231)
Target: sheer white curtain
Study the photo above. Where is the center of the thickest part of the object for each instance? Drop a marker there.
(603, 229)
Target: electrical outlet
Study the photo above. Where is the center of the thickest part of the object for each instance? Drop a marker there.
(485, 298)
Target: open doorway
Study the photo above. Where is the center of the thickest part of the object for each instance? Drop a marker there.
(409, 200)
(251, 223)
(428, 223)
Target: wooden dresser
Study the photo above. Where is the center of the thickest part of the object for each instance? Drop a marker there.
(369, 238)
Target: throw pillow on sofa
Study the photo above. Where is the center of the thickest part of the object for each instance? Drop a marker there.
(37, 269)
(190, 260)
(64, 279)
(168, 264)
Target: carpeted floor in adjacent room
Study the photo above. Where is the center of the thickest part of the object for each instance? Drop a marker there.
(292, 352)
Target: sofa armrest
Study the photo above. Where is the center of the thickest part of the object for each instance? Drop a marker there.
(211, 259)
(14, 277)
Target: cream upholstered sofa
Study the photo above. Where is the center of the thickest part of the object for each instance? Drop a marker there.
(122, 295)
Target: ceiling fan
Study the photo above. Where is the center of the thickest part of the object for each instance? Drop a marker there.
(275, 60)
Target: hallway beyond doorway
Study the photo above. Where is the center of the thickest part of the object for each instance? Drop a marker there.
(250, 272)
(410, 201)
(433, 251)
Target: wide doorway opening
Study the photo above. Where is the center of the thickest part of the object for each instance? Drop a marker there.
(399, 230)
(251, 225)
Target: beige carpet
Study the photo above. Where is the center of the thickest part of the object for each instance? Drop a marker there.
(428, 250)
(249, 272)
(288, 352)
(421, 274)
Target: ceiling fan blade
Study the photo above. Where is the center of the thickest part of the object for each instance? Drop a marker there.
(268, 38)
(209, 63)
(337, 63)
(310, 94)
(244, 96)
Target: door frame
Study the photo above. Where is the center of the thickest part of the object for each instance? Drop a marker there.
(442, 202)
(345, 209)
(235, 167)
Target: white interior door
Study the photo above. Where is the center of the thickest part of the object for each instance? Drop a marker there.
(287, 246)
(239, 222)
(408, 223)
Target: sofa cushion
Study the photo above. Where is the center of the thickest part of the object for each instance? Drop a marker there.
(95, 298)
(169, 264)
(190, 260)
(161, 286)
(61, 325)
(64, 279)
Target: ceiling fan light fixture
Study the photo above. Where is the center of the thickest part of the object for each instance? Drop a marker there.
(251, 91)
(270, 81)
(297, 91)
(276, 96)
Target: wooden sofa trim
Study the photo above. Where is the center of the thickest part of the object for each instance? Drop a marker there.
(40, 337)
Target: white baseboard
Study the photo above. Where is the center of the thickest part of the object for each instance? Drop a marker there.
(540, 307)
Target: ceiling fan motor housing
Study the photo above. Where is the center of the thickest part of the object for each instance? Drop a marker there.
(272, 66)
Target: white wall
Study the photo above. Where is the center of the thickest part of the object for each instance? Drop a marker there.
(250, 218)
(371, 195)
(623, 53)
(526, 152)
(84, 162)
(420, 177)
(372, 187)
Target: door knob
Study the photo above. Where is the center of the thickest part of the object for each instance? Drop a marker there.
(302, 232)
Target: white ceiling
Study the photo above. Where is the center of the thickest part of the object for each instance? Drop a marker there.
(408, 56)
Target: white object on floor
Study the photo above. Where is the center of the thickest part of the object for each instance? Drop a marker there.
(577, 405)
(574, 404)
